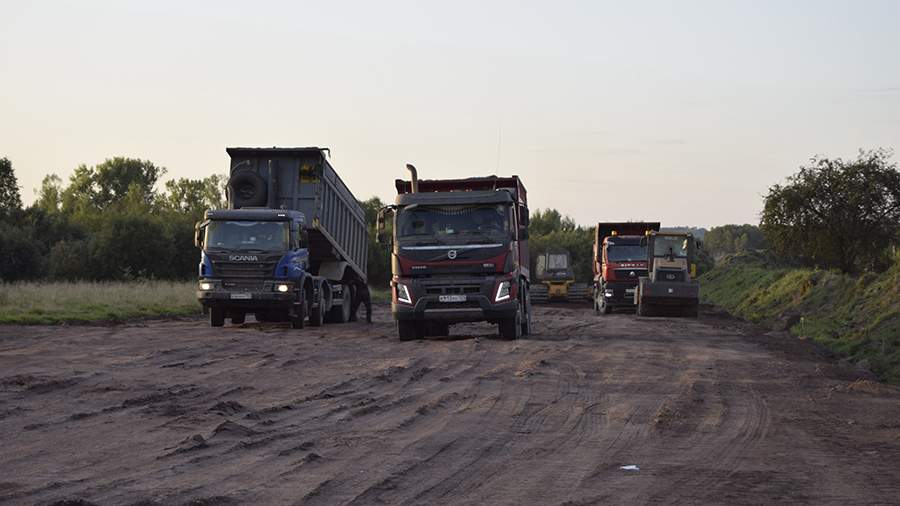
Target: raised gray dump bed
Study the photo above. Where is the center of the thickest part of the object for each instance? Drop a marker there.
(302, 179)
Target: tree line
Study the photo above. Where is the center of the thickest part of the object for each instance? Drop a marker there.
(110, 222)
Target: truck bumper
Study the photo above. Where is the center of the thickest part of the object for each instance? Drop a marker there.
(247, 300)
(665, 293)
(619, 294)
(476, 307)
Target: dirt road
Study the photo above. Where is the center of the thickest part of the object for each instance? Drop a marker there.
(176, 412)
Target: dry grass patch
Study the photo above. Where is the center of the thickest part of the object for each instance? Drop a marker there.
(83, 302)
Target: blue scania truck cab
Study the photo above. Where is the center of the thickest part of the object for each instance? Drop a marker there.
(291, 246)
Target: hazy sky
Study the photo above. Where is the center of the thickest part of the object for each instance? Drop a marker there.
(679, 111)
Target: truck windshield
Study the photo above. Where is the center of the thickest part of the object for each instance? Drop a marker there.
(625, 252)
(248, 235)
(468, 223)
(670, 245)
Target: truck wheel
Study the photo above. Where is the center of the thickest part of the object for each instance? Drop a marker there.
(603, 307)
(316, 313)
(248, 189)
(645, 309)
(526, 318)
(437, 329)
(298, 320)
(216, 317)
(341, 314)
(511, 328)
(354, 303)
(409, 330)
(238, 318)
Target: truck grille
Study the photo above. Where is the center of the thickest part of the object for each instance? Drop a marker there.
(452, 289)
(630, 274)
(255, 270)
(669, 275)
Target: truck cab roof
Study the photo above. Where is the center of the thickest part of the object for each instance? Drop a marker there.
(455, 198)
(256, 214)
(622, 240)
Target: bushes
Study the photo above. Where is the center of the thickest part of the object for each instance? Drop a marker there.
(127, 246)
(70, 260)
(730, 239)
(108, 223)
(20, 254)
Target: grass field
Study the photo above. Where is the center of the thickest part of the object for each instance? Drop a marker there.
(855, 316)
(86, 302)
(83, 302)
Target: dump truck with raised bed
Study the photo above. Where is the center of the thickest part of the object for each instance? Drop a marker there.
(670, 287)
(619, 260)
(292, 244)
(459, 254)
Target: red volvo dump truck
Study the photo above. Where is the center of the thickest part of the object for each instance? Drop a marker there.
(619, 260)
(459, 254)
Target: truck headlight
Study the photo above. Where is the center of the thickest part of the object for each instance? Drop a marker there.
(608, 293)
(403, 294)
(502, 291)
(206, 286)
(282, 288)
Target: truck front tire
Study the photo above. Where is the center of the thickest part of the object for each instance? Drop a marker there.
(511, 328)
(238, 318)
(298, 319)
(409, 330)
(216, 317)
(526, 318)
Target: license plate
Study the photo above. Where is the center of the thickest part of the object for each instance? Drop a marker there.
(452, 298)
(242, 295)
(629, 290)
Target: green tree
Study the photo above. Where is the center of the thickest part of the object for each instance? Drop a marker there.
(549, 220)
(20, 253)
(49, 196)
(379, 255)
(836, 213)
(194, 196)
(550, 230)
(70, 261)
(129, 245)
(99, 187)
(728, 239)
(10, 199)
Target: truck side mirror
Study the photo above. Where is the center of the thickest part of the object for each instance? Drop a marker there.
(198, 234)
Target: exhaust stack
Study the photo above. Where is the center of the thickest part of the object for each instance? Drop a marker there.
(414, 178)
